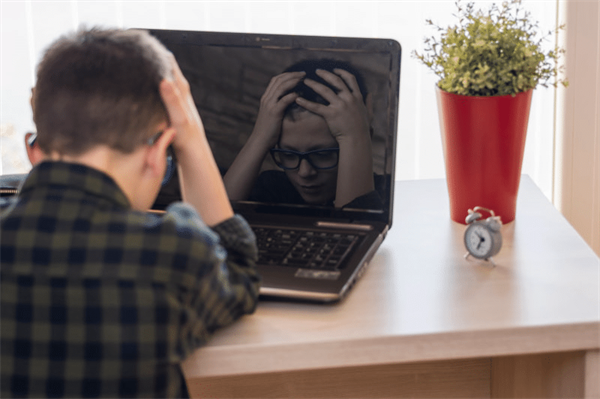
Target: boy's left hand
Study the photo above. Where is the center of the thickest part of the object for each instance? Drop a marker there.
(183, 114)
(346, 115)
(199, 177)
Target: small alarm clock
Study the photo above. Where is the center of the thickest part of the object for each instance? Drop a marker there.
(482, 237)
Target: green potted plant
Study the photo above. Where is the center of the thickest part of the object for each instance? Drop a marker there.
(488, 66)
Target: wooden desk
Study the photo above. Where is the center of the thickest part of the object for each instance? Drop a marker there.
(425, 322)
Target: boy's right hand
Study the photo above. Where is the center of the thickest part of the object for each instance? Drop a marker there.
(272, 105)
(244, 170)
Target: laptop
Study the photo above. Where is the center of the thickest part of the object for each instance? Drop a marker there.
(308, 251)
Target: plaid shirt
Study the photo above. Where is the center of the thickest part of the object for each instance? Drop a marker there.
(99, 300)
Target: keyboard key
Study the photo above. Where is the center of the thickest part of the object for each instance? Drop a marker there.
(306, 249)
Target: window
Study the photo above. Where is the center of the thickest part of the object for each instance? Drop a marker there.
(29, 26)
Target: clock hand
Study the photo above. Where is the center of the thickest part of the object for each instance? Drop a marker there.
(481, 240)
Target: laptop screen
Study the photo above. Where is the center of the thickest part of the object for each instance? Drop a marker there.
(295, 167)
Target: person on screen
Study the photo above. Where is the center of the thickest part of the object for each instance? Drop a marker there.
(101, 298)
(314, 122)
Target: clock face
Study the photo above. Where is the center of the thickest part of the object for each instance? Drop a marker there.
(479, 241)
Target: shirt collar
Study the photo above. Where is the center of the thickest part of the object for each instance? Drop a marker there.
(75, 176)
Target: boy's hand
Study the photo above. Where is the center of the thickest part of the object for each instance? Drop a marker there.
(181, 108)
(244, 170)
(272, 105)
(199, 177)
(346, 115)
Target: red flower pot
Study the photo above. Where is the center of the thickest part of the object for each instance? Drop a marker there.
(483, 140)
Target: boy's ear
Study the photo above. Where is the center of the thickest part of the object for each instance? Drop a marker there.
(157, 152)
(34, 153)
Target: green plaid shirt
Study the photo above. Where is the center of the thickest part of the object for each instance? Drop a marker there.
(99, 300)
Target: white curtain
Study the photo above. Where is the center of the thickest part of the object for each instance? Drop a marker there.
(29, 26)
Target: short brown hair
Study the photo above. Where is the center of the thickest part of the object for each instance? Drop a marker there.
(99, 86)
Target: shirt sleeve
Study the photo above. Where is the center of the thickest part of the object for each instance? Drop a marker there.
(227, 285)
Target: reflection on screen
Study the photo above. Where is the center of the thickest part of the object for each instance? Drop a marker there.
(227, 82)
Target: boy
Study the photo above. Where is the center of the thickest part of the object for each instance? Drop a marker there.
(99, 297)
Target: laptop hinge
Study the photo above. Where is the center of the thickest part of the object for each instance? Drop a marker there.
(349, 226)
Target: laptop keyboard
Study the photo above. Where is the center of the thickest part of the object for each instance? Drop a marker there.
(303, 248)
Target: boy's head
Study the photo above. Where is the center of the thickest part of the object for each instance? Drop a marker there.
(99, 87)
